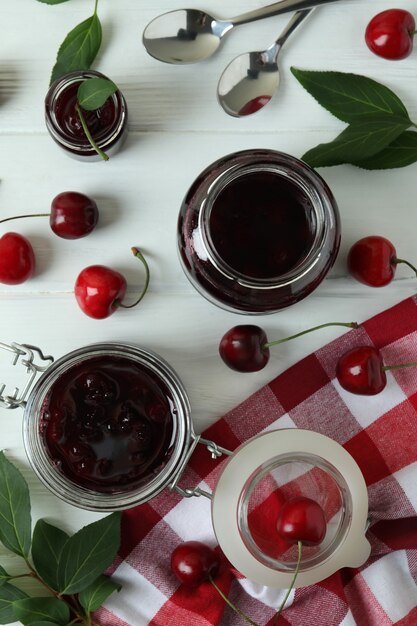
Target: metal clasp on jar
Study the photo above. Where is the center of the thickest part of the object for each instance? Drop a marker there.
(215, 450)
(26, 355)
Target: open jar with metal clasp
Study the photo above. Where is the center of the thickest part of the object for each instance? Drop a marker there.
(108, 426)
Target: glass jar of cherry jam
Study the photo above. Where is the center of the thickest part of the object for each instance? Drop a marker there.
(258, 231)
(107, 125)
(107, 426)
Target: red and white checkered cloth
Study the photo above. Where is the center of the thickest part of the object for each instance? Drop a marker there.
(380, 432)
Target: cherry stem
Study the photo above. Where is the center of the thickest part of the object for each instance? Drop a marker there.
(17, 217)
(88, 134)
(297, 569)
(397, 261)
(140, 256)
(304, 332)
(229, 603)
(386, 368)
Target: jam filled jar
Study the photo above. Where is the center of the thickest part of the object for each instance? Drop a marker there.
(258, 231)
(107, 125)
(107, 426)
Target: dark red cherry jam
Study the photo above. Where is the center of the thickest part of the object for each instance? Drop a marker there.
(107, 424)
(258, 230)
(107, 125)
(100, 122)
(261, 225)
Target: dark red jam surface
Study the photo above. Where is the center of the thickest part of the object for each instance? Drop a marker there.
(261, 225)
(100, 122)
(107, 424)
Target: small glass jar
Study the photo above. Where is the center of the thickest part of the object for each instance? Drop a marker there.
(108, 124)
(107, 426)
(258, 231)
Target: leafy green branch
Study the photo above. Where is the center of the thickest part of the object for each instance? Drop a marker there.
(70, 568)
(80, 46)
(377, 135)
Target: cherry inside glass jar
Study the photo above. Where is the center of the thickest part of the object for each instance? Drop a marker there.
(107, 426)
(107, 124)
(258, 231)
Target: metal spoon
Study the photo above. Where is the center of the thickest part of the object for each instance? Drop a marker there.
(190, 35)
(251, 79)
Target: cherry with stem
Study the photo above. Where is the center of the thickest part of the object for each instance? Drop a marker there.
(245, 348)
(373, 261)
(99, 290)
(73, 215)
(362, 371)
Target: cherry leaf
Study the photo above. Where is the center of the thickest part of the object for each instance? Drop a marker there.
(93, 597)
(52, 1)
(94, 92)
(29, 610)
(15, 518)
(47, 544)
(8, 595)
(88, 553)
(400, 153)
(360, 140)
(79, 48)
(350, 96)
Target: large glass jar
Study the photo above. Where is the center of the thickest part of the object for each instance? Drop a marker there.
(258, 231)
(107, 125)
(107, 426)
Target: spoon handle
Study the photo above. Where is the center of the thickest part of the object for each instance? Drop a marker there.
(276, 9)
(295, 21)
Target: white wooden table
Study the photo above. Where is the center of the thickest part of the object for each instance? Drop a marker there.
(176, 129)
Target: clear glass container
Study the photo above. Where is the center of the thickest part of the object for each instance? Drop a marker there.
(63, 405)
(108, 125)
(258, 230)
(278, 480)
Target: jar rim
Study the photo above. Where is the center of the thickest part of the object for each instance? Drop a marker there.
(65, 139)
(283, 166)
(74, 493)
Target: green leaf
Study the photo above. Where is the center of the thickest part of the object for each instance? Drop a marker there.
(88, 553)
(47, 544)
(39, 609)
(93, 93)
(93, 597)
(43, 623)
(8, 595)
(401, 152)
(15, 520)
(79, 48)
(4, 576)
(52, 1)
(350, 96)
(358, 141)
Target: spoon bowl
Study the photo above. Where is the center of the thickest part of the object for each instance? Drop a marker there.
(184, 36)
(251, 79)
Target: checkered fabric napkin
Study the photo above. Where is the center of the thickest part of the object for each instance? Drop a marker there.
(380, 432)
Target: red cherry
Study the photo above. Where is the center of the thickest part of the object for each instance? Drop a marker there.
(17, 259)
(390, 34)
(73, 215)
(361, 371)
(245, 348)
(373, 261)
(194, 562)
(99, 290)
(302, 519)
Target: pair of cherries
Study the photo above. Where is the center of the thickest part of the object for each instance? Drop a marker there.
(301, 521)
(99, 290)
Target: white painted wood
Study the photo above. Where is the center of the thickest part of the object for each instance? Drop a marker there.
(177, 129)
